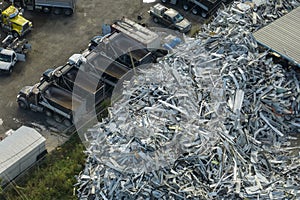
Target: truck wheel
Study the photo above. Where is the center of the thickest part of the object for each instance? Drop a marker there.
(185, 7)
(46, 9)
(22, 103)
(67, 123)
(57, 11)
(15, 34)
(57, 118)
(48, 112)
(10, 70)
(68, 11)
(155, 19)
(195, 11)
(203, 14)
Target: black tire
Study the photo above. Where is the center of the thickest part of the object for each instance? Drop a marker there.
(68, 12)
(15, 34)
(155, 19)
(67, 123)
(57, 11)
(46, 10)
(23, 103)
(48, 113)
(57, 118)
(203, 14)
(10, 71)
(185, 7)
(195, 11)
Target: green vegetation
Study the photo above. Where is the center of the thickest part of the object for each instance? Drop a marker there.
(53, 178)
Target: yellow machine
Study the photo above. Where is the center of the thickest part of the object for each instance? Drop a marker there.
(14, 22)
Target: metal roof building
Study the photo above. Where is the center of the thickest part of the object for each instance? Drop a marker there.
(283, 36)
(19, 151)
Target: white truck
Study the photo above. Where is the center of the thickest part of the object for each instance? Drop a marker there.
(13, 52)
(8, 59)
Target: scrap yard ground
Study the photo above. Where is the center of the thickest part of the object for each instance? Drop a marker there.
(239, 155)
(54, 39)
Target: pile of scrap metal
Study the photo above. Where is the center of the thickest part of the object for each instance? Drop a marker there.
(211, 121)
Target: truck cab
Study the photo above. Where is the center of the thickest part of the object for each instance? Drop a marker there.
(8, 59)
(28, 95)
(51, 99)
(14, 22)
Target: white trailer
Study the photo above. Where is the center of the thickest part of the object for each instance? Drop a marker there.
(19, 151)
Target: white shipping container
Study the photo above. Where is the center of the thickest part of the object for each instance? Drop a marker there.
(19, 151)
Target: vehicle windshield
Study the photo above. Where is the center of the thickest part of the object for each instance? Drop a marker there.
(5, 58)
(178, 18)
(15, 13)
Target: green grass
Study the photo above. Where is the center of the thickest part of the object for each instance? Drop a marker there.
(53, 178)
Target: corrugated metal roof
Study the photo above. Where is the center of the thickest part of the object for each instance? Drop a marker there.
(283, 36)
(17, 145)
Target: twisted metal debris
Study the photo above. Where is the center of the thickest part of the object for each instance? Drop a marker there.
(211, 121)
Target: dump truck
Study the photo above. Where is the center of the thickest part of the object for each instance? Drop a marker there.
(169, 17)
(52, 100)
(67, 7)
(126, 50)
(19, 151)
(83, 85)
(128, 45)
(145, 43)
(149, 39)
(114, 55)
(203, 7)
(13, 22)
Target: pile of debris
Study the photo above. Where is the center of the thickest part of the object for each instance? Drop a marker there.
(212, 120)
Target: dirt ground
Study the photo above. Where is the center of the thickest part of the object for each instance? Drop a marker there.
(54, 39)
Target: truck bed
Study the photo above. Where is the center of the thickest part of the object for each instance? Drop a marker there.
(62, 97)
(84, 81)
(104, 64)
(208, 5)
